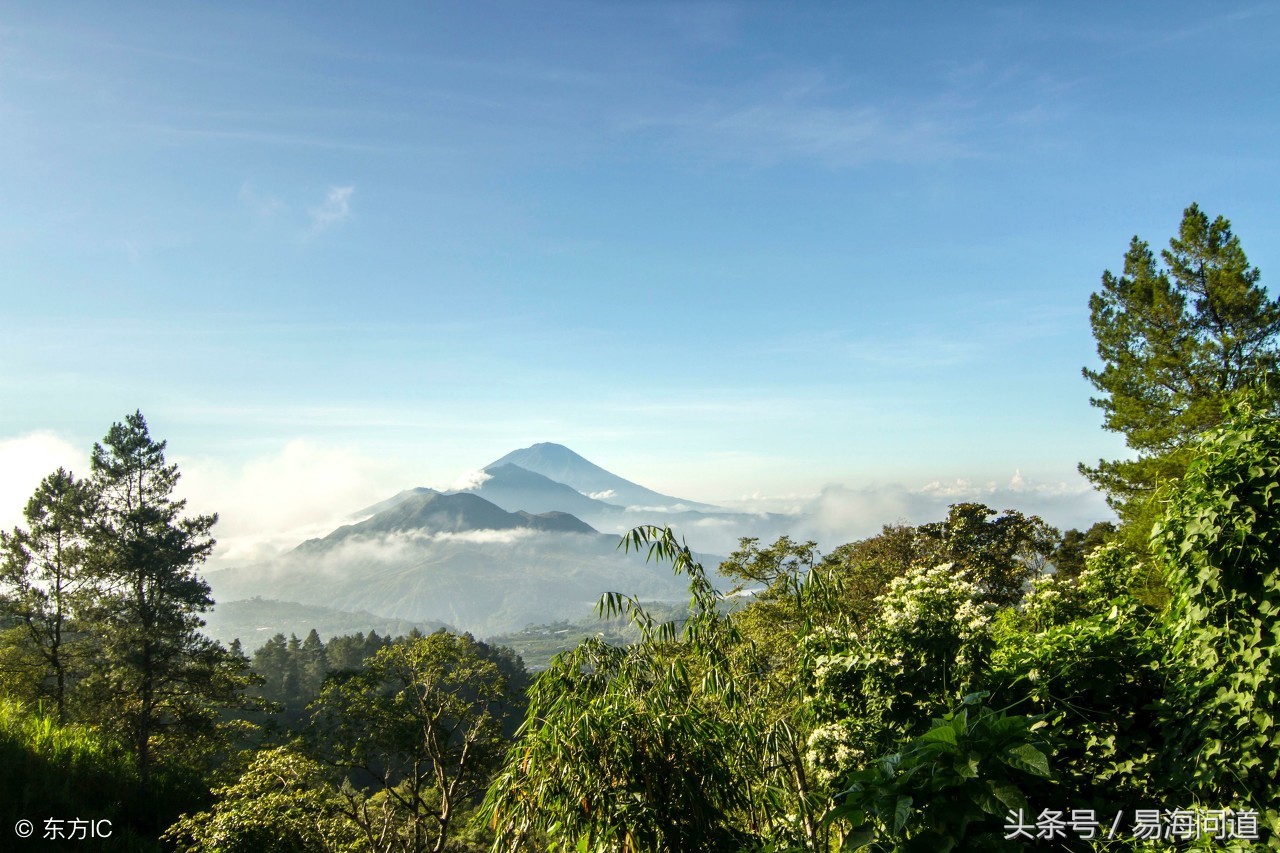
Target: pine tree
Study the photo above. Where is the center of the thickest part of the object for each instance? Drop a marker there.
(270, 662)
(1177, 342)
(292, 686)
(345, 653)
(313, 666)
(159, 682)
(47, 581)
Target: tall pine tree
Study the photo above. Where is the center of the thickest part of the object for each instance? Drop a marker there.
(47, 583)
(1177, 341)
(159, 682)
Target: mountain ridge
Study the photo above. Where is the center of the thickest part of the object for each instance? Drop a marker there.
(432, 512)
(514, 487)
(562, 465)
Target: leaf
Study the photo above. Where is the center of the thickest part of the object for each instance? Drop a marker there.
(942, 734)
(901, 814)
(856, 839)
(1027, 758)
(1008, 794)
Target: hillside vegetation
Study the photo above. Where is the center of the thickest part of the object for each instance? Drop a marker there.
(979, 682)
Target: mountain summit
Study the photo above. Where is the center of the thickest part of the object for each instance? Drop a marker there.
(559, 463)
(514, 488)
(430, 512)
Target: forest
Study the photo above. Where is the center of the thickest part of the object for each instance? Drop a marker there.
(983, 681)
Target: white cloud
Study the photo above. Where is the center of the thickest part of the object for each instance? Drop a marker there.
(791, 503)
(272, 502)
(24, 462)
(659, 508)
(360, 553)
(336, 207)
(717, 521)
(469, 480)
(602, 496)
(841, 514)
(487, 537)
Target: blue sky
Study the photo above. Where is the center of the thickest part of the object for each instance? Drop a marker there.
(726, 250)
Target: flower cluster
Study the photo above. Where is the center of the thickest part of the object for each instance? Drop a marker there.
(930, 639)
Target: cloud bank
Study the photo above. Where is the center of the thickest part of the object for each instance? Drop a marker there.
(272, 502)
(392, 548)
(24, 462)
(842, 514)
(469, 480)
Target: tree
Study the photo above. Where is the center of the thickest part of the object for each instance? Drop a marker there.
(1069, 557)
(776, 614)
(1076, 644)
(1176, 342)
(283, 803)
(1000, 554)
(271, 663)
(949, 788)
(312, 666)
(642, 747)
(423, 721)
(871, 686)
(866, 567)
(158, 682)
(47, 581)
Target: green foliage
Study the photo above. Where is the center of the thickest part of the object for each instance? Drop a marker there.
(1176, 342)
(1108, 752)
(47, 583)
(349, 651)
(423, 723)
(948, 789)
(999, 551)
(1220, 541)
(283, 803)
(65, 771)
(864, 569)
(927, 647)
(156, 681)
(790, 594)
(618, 751)
(1069, 557)
(636, 748)
(1111, 575)
(1000, 554)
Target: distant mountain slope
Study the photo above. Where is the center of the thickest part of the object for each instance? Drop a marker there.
(255, 620)
(514, 488)
(430, 512)
(485, 582)
(562, 465)
(399, 497)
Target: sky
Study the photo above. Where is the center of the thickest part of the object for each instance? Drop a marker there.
(831, 257)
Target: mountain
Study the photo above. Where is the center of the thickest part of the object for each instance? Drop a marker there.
(515, 488)
(453, 558)
(559, 463)
(485, 582)
(398, 497)
(424, 511)
(525, 547)
(255, 620)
